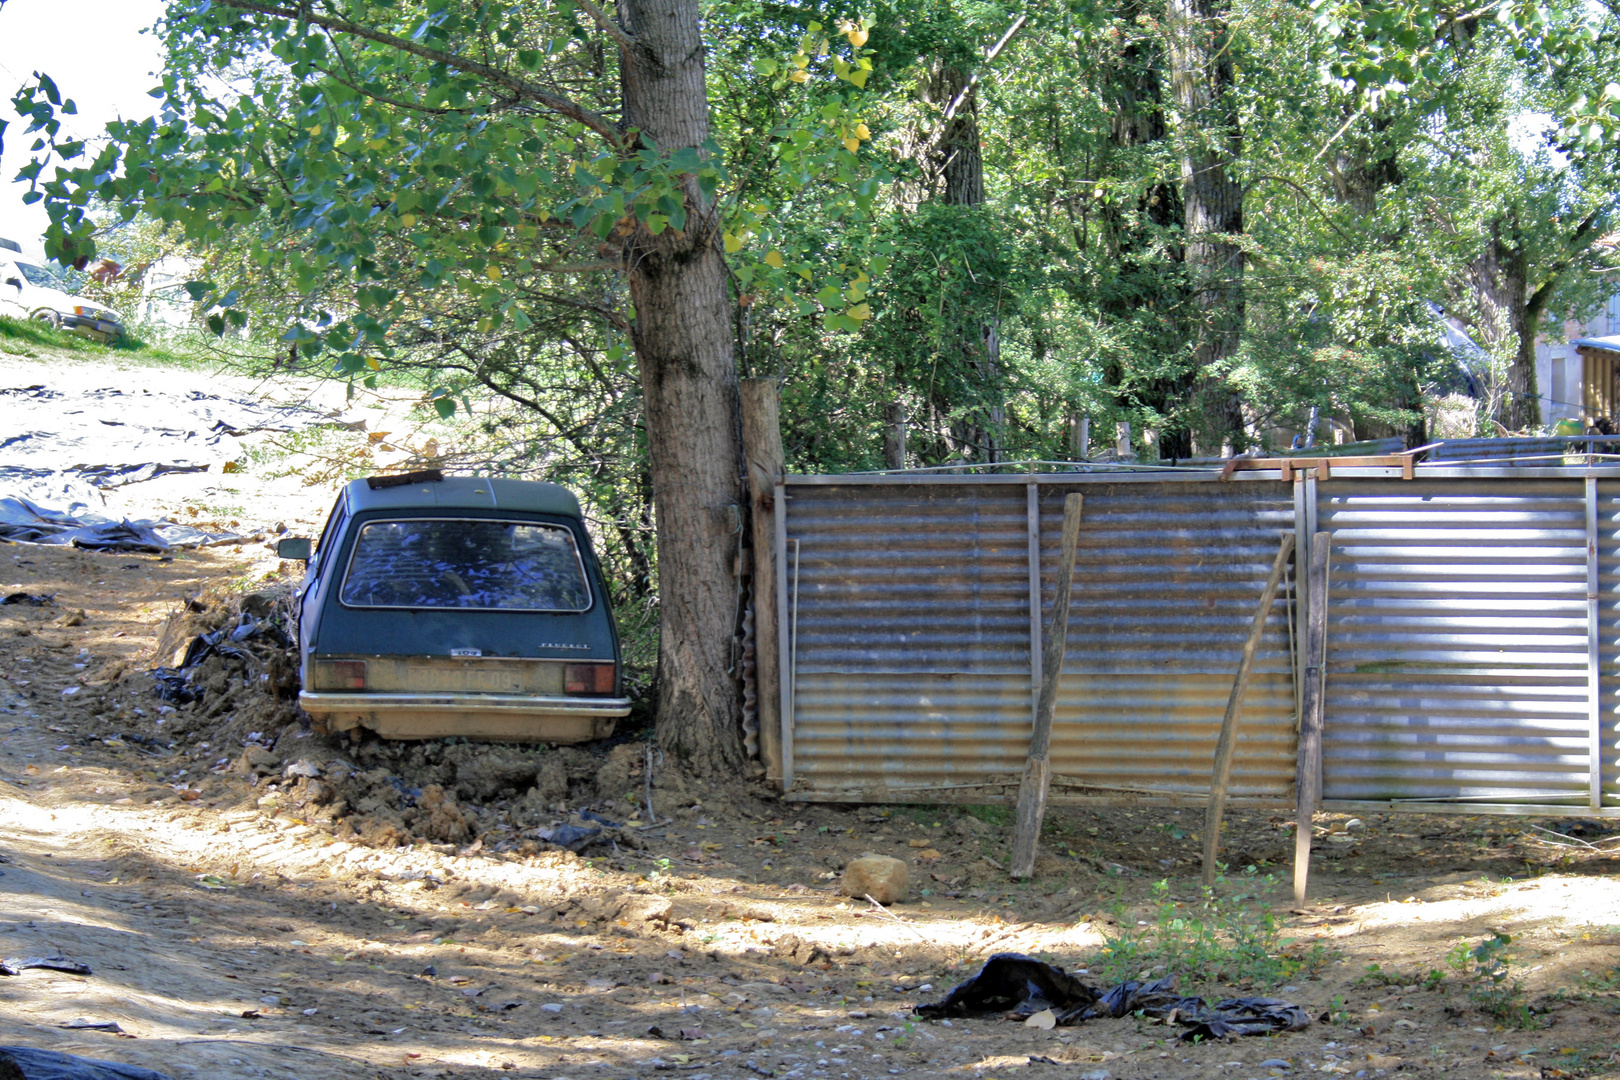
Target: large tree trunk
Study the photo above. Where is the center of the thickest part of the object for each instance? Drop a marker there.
(1201, 78)
(683, 340)
(1499, 280)
(960, 166)
(1135, 93)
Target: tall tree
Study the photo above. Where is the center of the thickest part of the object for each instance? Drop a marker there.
(1202, 80)
(435, 131)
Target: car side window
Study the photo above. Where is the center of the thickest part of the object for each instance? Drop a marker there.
(330, 534)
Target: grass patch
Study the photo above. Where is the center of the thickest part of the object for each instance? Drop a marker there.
(26, 337)
(1228, 936)
(1000, 816)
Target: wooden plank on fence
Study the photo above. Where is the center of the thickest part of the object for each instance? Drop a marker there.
(1037, 774)
(1308, 780)
(1222, 773)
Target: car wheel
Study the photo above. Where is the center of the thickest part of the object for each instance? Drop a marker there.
(49, 318)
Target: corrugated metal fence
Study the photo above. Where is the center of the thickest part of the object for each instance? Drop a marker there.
(1473, 641)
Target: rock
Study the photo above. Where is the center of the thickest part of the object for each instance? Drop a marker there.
(302, 767)
(796, 950)
(637, 908)
(258, 761)
(618, 777)
(259, 604)
(485, 772)
(881, 877)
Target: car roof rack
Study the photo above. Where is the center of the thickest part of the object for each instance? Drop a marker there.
(425, 476)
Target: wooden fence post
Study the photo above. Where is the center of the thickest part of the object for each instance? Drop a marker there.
(894, 435)
(1224, 749)
(1037, 771)
(1313, 703)
(762, 451)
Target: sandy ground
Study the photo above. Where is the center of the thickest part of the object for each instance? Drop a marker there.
(233, 930)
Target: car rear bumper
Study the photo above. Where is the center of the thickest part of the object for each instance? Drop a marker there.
(105, 329)
(496, 717)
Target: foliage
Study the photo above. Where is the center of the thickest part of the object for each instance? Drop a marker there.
(1226, 937)
(1487, 970)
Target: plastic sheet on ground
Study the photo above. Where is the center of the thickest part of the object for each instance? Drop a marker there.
(49, 1065)
(1017, 985)
(67, 444)
(26, 522)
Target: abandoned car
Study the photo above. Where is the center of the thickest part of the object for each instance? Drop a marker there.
(437, 606)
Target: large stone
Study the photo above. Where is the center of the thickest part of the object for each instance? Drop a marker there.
(881, 877)
(258, 760)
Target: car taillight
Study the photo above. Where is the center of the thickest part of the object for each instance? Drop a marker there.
(342, 674)
(588, 679)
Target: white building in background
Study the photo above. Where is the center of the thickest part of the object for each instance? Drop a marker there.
(1562, 372)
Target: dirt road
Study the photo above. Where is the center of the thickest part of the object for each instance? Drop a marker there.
(255, 900)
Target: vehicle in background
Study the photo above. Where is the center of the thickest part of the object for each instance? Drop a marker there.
(437, 606)
(31, 291)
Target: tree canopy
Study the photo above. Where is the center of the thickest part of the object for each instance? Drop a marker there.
(1227, 224)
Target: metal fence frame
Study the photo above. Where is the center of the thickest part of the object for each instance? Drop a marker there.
(1597, 484)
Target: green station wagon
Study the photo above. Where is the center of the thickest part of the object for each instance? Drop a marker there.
(438, 606)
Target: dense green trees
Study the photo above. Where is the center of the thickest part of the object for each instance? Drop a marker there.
(1207, 219)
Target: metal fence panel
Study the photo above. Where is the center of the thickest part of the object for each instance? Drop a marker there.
(911, 665)
(1166, 582)
(912, 668)
(1608, 630)
(1457, 640)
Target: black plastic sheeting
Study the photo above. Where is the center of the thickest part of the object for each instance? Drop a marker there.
(16, 965)
(1018, 985)
(175, 684)
(25, 522)
(35, 1064)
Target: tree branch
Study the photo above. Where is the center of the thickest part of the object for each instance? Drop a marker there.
(1584, 235)
(1307, 197)
(558, 104)
(989, 58)
(609, 27)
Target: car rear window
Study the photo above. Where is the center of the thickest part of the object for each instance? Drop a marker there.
(466, 563)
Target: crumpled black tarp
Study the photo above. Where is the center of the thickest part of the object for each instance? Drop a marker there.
(50, 1065)
(175, 685)
(26, 522)
(16, 965)
(1021, 985)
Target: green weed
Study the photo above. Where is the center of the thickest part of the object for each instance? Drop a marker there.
(1488, 969)
(999, 816)
(1375, 975)
(1228, 936)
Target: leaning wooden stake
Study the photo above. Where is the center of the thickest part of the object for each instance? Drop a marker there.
(762, 453)
(1037, 772)
(1234, 705)
(1308, 780)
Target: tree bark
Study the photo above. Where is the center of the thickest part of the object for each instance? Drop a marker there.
(1201, 79)
(960, 164)
(894, 435)
(1499, 279)
(683, 339)
(1134, 88)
